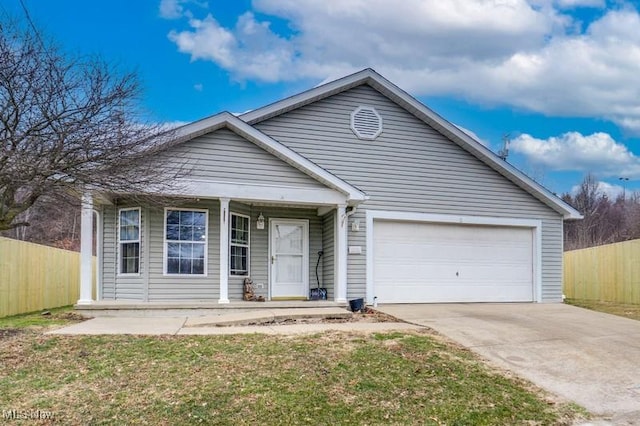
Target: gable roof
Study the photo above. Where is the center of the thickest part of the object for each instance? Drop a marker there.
(233, 123)
(422, 112)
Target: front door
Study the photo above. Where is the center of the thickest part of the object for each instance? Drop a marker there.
(289, 257)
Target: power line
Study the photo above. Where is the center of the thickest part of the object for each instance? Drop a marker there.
(30, 21)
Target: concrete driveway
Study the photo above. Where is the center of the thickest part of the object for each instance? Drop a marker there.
(584, 356)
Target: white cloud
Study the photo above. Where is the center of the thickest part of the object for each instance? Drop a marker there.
(174, 9)
(171, 9)
(598, 153)
(572, 4)
(473, 135)
(412, 34)
(532, 55)
(199, 87)
(250, 49)
(170, 125)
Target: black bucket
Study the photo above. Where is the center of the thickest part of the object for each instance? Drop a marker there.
(318, 294)
(356, 305)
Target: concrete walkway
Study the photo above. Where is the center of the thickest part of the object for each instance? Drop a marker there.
(230, 323)
(585, 356)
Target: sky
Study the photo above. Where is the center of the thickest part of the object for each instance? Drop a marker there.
(560, 79)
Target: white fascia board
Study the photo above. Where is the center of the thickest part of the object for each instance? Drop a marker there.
(258, 192)
(200, 127)
(375, 80)
(226, 119)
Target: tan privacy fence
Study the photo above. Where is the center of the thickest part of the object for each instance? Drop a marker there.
(34, 277)
(609, 273)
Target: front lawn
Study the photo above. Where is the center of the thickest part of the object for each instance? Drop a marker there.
(329, 378)
(41, 319)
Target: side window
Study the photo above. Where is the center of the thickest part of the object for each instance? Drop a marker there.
(129, 240)
(239, 245)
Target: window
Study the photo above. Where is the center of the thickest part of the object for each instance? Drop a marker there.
(239, 245)
(185, 241)
(129, 236)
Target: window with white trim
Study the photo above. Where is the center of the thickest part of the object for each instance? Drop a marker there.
(185, 241)
(239, 244)
(129, 240)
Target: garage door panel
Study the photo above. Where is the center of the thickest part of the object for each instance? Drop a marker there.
(426, 262)
(452, 293)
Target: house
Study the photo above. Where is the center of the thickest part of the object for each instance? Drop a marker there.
(353, 186)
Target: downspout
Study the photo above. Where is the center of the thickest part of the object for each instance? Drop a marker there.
(348, 214)
(345, 223)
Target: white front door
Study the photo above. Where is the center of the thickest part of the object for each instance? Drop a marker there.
(289, 257)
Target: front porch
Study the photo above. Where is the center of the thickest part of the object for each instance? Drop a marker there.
(130, 308)
(150, 285)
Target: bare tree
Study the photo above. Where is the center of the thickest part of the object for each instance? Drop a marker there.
(52, 223)
(67, 123)
(605, 221)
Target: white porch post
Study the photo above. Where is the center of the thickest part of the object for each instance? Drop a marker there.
(340, 291)
(224, 250)
(86, 250)
(99, 240)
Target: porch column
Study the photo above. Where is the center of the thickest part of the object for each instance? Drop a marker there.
(224, 250)
(86, 250)
(340, 291)
(99, 242)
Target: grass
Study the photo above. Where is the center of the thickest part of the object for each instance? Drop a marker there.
(328, 378)
(620, 309)
(53, 317)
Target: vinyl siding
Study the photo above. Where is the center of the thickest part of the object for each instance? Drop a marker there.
(328, 246)
(227, 157)
(184, 287)
(412, 168)
(109, 264)
(259, 245)
(114, 285)
(153, 285)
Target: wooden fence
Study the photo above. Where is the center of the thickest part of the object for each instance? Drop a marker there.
(609, 273)
(35, 277)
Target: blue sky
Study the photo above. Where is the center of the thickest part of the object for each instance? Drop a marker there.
(560, 77)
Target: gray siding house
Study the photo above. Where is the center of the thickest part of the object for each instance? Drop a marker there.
(353, 186)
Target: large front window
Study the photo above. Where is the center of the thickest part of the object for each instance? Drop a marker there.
(129, 240)
(239, 245)
(185, 241)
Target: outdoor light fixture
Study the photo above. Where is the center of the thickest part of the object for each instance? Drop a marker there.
(260, 222)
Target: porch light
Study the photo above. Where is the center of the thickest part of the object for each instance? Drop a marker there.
(260, 222)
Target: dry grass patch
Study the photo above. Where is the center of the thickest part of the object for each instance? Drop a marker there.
(620, 309)
(328, 378)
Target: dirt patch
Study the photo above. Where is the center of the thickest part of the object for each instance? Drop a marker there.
(69, 316)
(6, 333)
(368, 316)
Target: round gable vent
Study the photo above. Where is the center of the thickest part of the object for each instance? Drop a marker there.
(366, 123)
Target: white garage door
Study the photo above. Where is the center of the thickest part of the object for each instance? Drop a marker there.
(426, 262)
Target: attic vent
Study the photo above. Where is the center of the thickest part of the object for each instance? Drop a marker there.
(366, 123)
